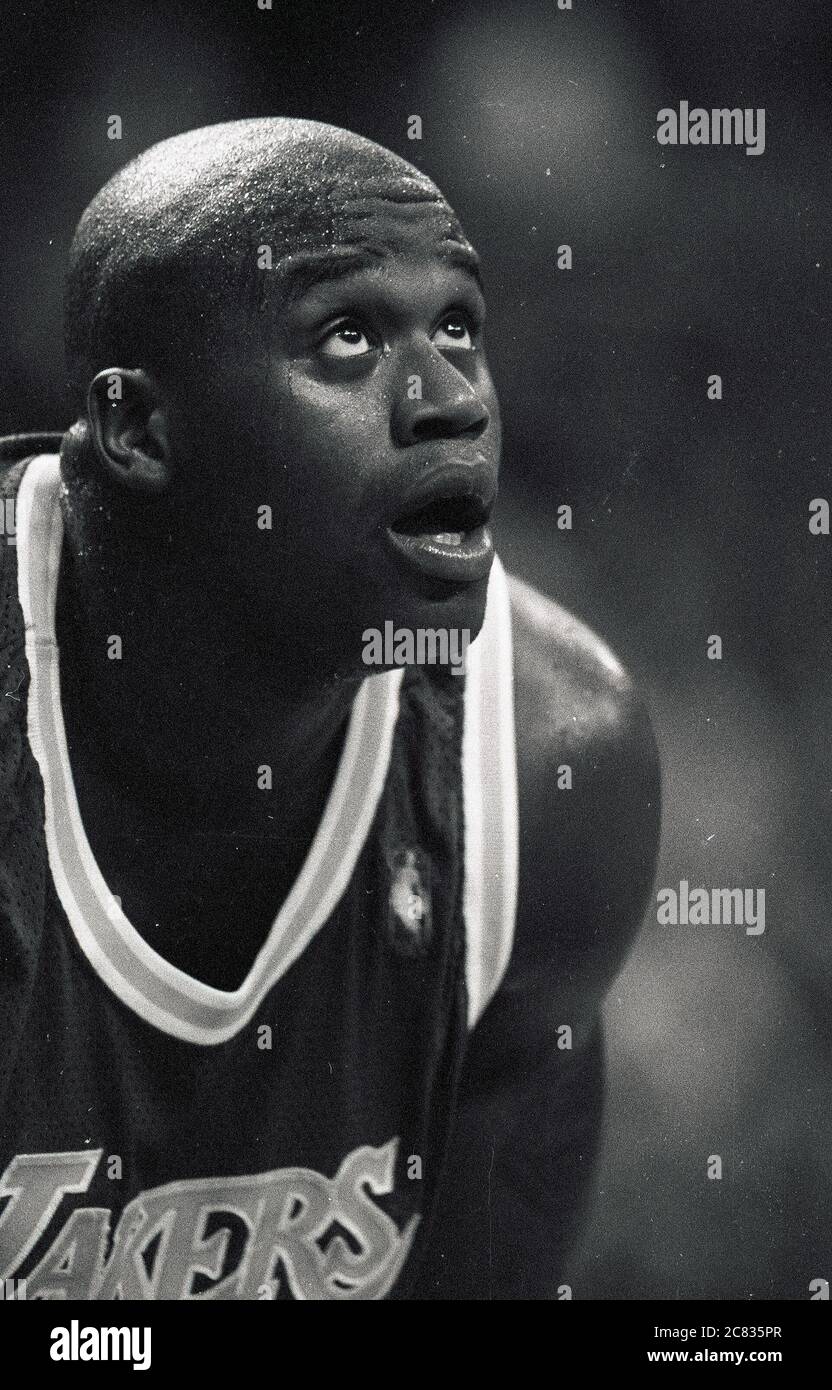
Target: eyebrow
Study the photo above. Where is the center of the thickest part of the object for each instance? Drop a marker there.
(307, 269)
(462, 257)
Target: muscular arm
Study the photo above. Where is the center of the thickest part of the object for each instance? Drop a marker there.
(529, 1114)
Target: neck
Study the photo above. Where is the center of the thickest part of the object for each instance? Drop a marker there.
(188, 731)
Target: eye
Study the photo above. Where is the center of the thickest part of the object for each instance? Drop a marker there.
(345, 339)
(453, 332)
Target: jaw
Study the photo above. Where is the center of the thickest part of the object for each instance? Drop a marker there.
(429, 603)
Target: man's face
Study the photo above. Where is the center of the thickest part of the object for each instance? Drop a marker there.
(365, 417)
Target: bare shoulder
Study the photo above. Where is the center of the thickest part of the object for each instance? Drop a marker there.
(571, 691)
(589, 790)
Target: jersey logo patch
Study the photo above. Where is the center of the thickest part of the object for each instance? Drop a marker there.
(288, 1233)
(410, 915)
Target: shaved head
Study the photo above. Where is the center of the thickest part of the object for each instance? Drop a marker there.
(171, 247)
(295, 318)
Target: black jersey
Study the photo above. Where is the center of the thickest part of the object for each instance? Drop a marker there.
(162, 1138)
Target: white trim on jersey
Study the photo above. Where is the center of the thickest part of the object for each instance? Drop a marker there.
(489, 774)
(167, 997)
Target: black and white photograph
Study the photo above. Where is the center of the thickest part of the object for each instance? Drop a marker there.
(415, 585)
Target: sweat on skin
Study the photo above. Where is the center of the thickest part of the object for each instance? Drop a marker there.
(296, 383)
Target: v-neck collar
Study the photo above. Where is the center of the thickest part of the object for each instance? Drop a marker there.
(164, 996)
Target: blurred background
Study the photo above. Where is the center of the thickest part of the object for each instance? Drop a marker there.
(690, 515)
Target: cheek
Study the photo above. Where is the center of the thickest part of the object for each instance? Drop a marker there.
(334, 443)
(488, 395)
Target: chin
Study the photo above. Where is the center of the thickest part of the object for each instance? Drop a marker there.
(432, 603)
(463, 608)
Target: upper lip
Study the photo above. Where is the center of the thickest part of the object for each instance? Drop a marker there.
(469, 489)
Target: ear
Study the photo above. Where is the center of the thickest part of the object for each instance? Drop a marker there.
(129, 426)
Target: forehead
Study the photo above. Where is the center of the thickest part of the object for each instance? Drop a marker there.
(372, 232)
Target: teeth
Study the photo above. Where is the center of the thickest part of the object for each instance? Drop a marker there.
(449, 537)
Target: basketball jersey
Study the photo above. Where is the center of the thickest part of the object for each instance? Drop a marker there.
(164, 1139)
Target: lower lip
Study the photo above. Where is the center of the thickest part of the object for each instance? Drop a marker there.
(465, 563)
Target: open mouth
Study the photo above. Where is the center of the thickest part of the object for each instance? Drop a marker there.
(447, 537)
(449, 519)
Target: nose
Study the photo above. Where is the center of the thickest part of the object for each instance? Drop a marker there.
(437, 402)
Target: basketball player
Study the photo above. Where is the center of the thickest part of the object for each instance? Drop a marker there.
(301, 962)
